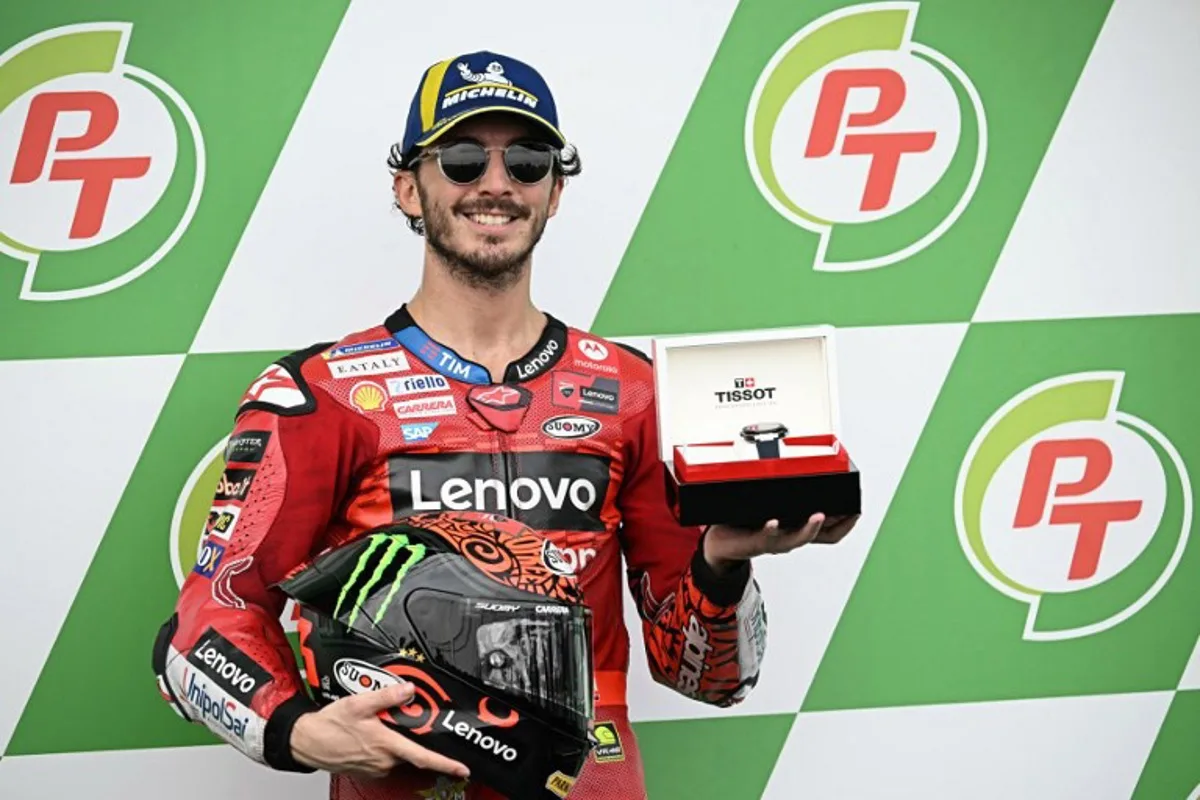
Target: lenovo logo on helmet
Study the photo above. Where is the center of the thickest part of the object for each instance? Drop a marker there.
(460, 494)
(489, 744)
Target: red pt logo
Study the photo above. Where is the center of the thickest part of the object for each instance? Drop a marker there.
(96, 175)
(884, 149)
(1091, 518)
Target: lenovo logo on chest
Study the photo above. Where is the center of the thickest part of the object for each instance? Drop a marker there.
(546, 491)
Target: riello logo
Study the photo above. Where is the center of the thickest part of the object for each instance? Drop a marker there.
(101, 162)
(1072, 506)
(852, 123)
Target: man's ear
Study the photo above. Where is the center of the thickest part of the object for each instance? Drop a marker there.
(555, 195)
(408, 198)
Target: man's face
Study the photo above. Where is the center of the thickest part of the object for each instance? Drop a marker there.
(484, 231)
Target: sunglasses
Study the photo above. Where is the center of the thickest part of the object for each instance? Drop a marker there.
(466, 162)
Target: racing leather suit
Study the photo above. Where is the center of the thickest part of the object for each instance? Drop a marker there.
(342, 437)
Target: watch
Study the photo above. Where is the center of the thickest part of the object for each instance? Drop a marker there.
(766, 436)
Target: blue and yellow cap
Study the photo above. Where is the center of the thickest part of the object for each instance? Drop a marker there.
(458, 88)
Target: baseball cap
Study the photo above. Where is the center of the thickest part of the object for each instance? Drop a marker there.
(459, 88)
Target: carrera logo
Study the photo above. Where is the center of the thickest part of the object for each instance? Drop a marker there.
(426, 407)
(570, 427)
(555, 491)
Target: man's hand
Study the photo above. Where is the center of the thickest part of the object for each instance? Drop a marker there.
(348, 736)
(725, 547)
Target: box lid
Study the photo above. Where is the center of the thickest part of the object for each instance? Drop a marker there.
(710, 385)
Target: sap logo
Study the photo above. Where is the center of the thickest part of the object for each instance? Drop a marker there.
(418, 431)
(489, 744)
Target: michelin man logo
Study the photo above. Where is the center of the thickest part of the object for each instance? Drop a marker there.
(494, 73)
(1072, 506)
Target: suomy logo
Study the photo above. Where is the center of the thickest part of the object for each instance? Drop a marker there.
(852, 122)
(1072, 506)
(91, 147)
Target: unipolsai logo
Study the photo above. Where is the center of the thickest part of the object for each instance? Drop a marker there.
(196, 518)
(101, 162)
(1073, 506)
(852, 123)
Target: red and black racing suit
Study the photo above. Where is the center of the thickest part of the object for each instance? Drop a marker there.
(342, 437)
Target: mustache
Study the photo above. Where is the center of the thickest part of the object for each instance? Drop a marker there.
(498, 206)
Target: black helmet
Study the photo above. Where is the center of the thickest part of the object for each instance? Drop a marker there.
(475, 612)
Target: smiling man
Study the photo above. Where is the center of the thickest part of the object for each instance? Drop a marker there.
(466, 397)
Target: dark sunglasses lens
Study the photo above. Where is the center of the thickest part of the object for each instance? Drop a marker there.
(528, 164)
(463, 162)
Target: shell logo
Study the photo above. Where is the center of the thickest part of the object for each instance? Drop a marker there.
(367, 396)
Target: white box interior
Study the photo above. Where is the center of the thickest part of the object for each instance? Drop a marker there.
(798, 363)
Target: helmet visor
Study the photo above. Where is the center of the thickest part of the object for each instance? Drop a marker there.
(538, 653)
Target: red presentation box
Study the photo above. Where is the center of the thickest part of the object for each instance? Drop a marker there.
(717, 395)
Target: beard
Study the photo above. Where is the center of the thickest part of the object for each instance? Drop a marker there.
(487, 267)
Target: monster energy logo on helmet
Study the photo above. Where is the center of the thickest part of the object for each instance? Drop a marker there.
(392, 545)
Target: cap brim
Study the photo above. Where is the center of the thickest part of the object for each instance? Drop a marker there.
(474, 112)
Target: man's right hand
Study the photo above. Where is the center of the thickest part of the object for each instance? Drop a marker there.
(347, 736)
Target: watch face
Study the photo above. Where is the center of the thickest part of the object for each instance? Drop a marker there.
(764, 429)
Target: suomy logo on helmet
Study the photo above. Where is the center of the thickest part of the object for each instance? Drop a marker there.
(91, 148)
(852, 122)
(1072, 506)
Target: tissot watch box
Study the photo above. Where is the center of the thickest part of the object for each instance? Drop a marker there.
(748, 427)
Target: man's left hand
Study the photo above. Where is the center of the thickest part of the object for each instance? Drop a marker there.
(725, 546)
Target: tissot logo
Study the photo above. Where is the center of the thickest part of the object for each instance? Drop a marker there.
(547, 491)
(745, 390)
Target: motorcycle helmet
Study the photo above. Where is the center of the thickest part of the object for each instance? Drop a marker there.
(473, 610)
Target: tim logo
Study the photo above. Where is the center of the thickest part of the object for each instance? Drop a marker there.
(1072, 506)
(91, 147)
(852, 122)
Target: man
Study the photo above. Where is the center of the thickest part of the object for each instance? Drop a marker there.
(466, 397)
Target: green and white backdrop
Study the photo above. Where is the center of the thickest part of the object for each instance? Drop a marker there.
(996, 203)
